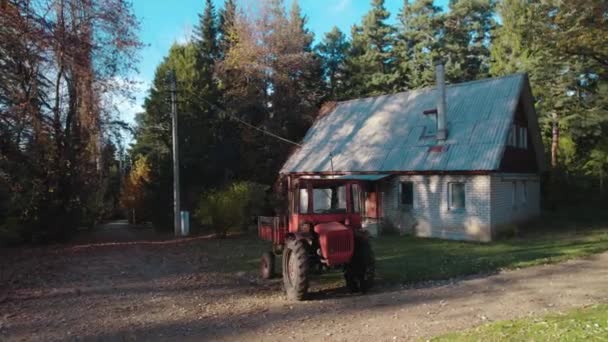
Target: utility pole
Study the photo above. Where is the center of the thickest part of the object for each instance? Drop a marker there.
(176, 192)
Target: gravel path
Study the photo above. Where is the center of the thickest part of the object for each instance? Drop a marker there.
(173, 290)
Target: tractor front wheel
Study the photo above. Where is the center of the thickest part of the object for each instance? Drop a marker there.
(295, 269)
(267, 265)
(360, 272)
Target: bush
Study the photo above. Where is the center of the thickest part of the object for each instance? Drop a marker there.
(231, 207)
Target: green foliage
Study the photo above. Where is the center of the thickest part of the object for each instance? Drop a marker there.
(133, 197)
(231, 207)
(585, 324)
(333, 50)
(597, 165)
(417, 47)
(369, 62)
(466, 37)
(558, 44)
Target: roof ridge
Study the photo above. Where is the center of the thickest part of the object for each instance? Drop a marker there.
(428, 88)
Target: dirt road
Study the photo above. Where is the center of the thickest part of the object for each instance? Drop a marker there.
(152, 289)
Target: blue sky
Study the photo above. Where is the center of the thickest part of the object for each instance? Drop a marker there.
(165, 22)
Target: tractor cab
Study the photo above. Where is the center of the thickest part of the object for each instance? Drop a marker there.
(318, 201)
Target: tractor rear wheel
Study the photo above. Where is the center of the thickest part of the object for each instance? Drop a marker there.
(295, 269)
(361, 271)
(267, 265)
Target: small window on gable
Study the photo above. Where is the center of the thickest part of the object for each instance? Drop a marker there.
(407, 193)
(518, 137)
(456, 196)
(512, 141)
(523, 138)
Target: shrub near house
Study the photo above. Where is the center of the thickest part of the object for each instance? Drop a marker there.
(231, 207)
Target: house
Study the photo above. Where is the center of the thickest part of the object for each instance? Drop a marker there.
(461, 161)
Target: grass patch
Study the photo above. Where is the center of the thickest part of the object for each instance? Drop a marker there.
(556, 237)
(409, 259)
(587, 324)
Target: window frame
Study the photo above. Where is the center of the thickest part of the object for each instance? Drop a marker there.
(451, 201)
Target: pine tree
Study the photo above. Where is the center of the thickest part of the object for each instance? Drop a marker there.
(226, 28)
(512, 49)
(466, 37)
(333, 51)
(420, 30)
(355, 65)
(205, 38)
(371, 56)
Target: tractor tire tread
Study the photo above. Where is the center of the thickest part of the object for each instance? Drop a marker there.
(298, 289)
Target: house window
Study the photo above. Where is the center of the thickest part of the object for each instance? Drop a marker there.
(430, 125)
(407, 193)
(456, 196)
(518, 137)
(523, 138)
(512, 141)
(524, 192)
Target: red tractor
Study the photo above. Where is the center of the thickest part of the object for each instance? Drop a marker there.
(322, 230)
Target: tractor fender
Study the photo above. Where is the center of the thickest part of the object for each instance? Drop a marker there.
(307, 237)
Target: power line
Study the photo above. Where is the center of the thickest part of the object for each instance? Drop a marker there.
(264, 131)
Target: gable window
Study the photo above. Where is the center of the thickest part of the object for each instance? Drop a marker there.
(523, 138)
(518, 137)
(456, 196)
(511, 141)
(407, 193)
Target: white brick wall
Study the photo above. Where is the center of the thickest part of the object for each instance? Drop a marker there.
(515, 199)
(489, 205)
(430, 215)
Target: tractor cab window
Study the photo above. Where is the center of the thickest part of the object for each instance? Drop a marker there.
(355, 193)
(329, 199)
(303, 198)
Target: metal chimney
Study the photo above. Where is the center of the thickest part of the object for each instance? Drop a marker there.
(442, 131)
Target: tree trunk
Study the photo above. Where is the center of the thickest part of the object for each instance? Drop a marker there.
(554, 140)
